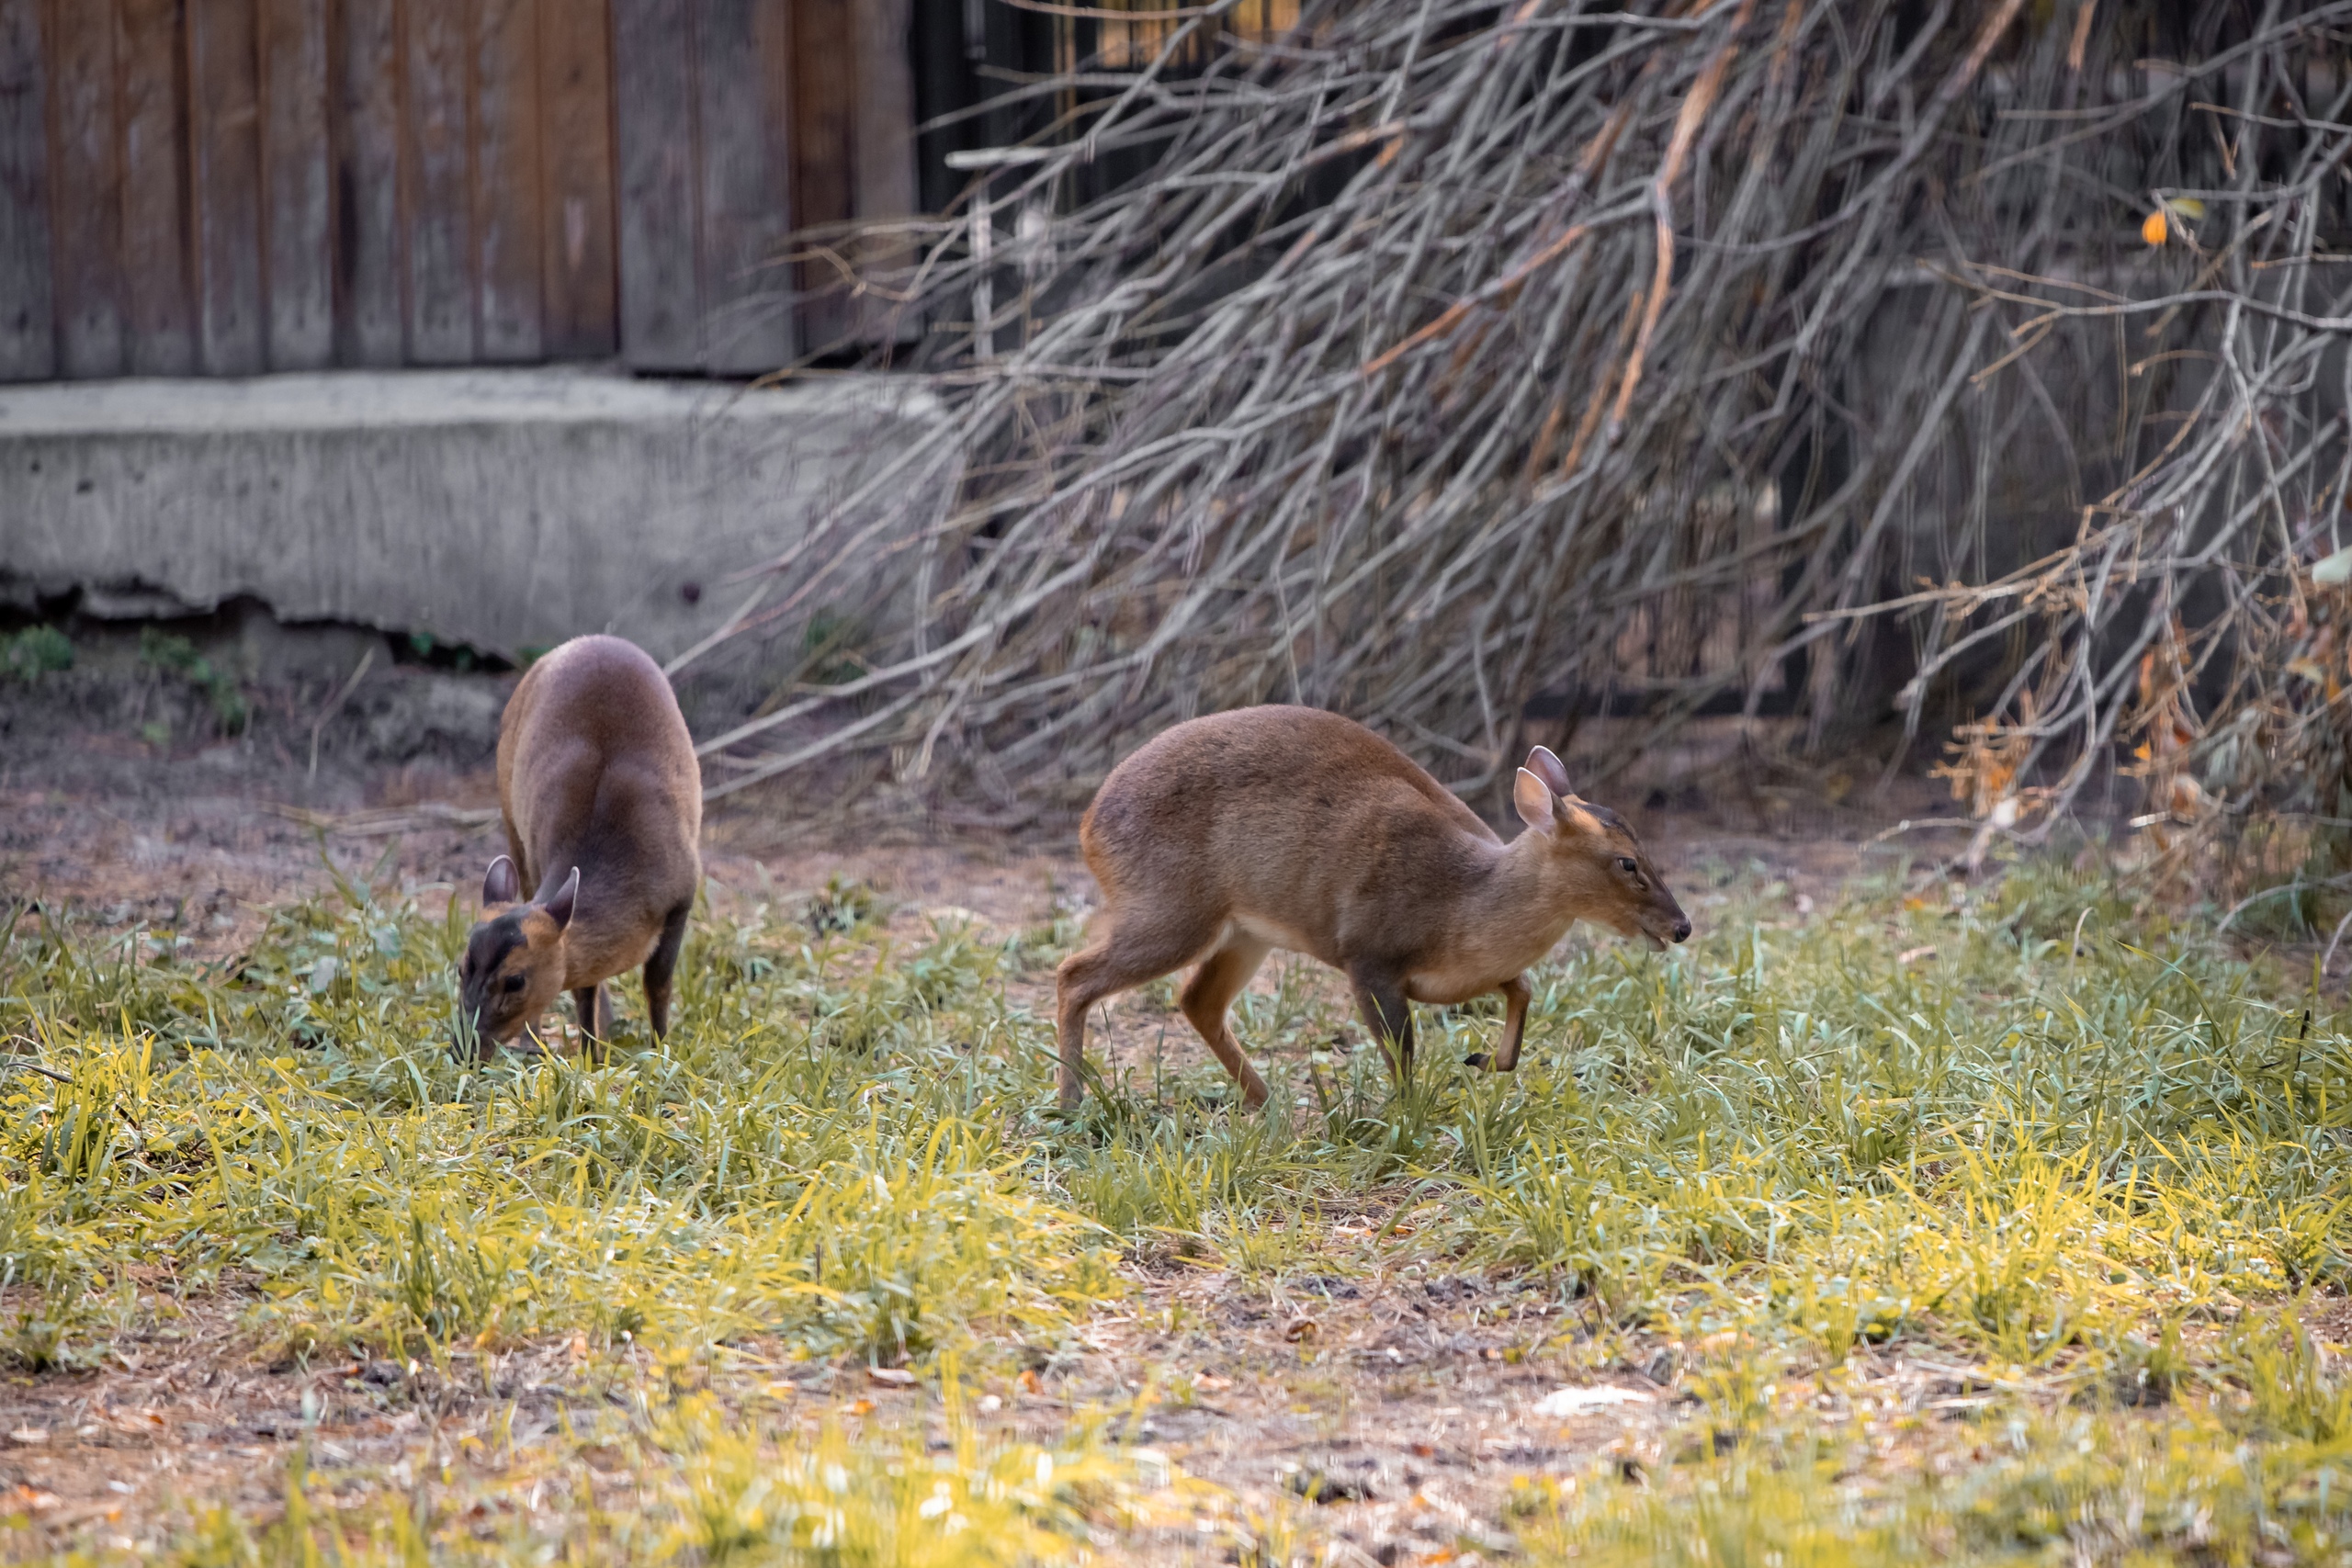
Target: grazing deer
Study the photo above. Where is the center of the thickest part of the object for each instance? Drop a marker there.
(1293, 827)
(603, 801)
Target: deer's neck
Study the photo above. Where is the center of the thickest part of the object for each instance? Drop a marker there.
(1516, 912)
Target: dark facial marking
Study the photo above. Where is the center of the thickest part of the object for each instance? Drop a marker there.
(493, 942)
(487, 953)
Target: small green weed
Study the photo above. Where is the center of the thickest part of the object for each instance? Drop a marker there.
(171, 655)
(36, 651)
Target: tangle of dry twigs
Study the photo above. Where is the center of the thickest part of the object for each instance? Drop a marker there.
(1468, 367)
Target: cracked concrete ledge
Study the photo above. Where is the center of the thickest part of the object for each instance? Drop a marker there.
(503, 510)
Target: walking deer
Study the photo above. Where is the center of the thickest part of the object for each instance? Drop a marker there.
(1231, 835)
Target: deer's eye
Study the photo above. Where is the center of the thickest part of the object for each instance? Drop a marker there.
(514, 983)
(1625, 863)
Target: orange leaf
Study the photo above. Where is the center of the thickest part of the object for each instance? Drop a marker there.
(2154, 227)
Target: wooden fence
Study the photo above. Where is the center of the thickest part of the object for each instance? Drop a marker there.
(230, 186)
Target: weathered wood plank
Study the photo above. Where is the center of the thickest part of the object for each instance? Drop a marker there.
(28, 296)
(744, 69)
(156, 250)
(371, 324)
(298, 209)
(885, 110)
(86, 222)
(437, 194)
(507, 205)
(654, 118)
(885, 144)
(225, 132)
(825, 59)
(576, 155)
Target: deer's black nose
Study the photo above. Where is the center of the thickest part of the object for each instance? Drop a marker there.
(1682, 930)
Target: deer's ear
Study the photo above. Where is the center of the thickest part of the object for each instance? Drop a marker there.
(1546, 766)
(559, 908)
(1533, 798)
(501, 883)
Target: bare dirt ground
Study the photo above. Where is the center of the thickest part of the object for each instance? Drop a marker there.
(1402, 1402)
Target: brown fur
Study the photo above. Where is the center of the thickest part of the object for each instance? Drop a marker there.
(602, 803)
(1290, 827)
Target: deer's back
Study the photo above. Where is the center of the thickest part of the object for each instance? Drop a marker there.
(1291, 818)
(595, 768)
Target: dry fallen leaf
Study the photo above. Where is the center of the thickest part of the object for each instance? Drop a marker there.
(28, 1437)
(893, 1377)
(1300, 1331)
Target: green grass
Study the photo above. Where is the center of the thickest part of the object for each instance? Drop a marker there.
(2108, 1176)
(2074, 1488)
(816, 1153)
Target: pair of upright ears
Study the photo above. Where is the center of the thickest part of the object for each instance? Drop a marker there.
(1541, 792)
(502, 884)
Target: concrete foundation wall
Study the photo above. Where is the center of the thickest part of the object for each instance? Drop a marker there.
(501, 510)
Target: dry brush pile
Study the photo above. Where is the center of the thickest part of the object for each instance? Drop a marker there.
(1977, 364)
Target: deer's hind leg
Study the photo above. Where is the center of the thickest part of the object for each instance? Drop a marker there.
(1209, 994)
(660, 966)
(1133, 954)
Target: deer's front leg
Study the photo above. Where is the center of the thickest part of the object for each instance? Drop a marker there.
(1516, 995)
